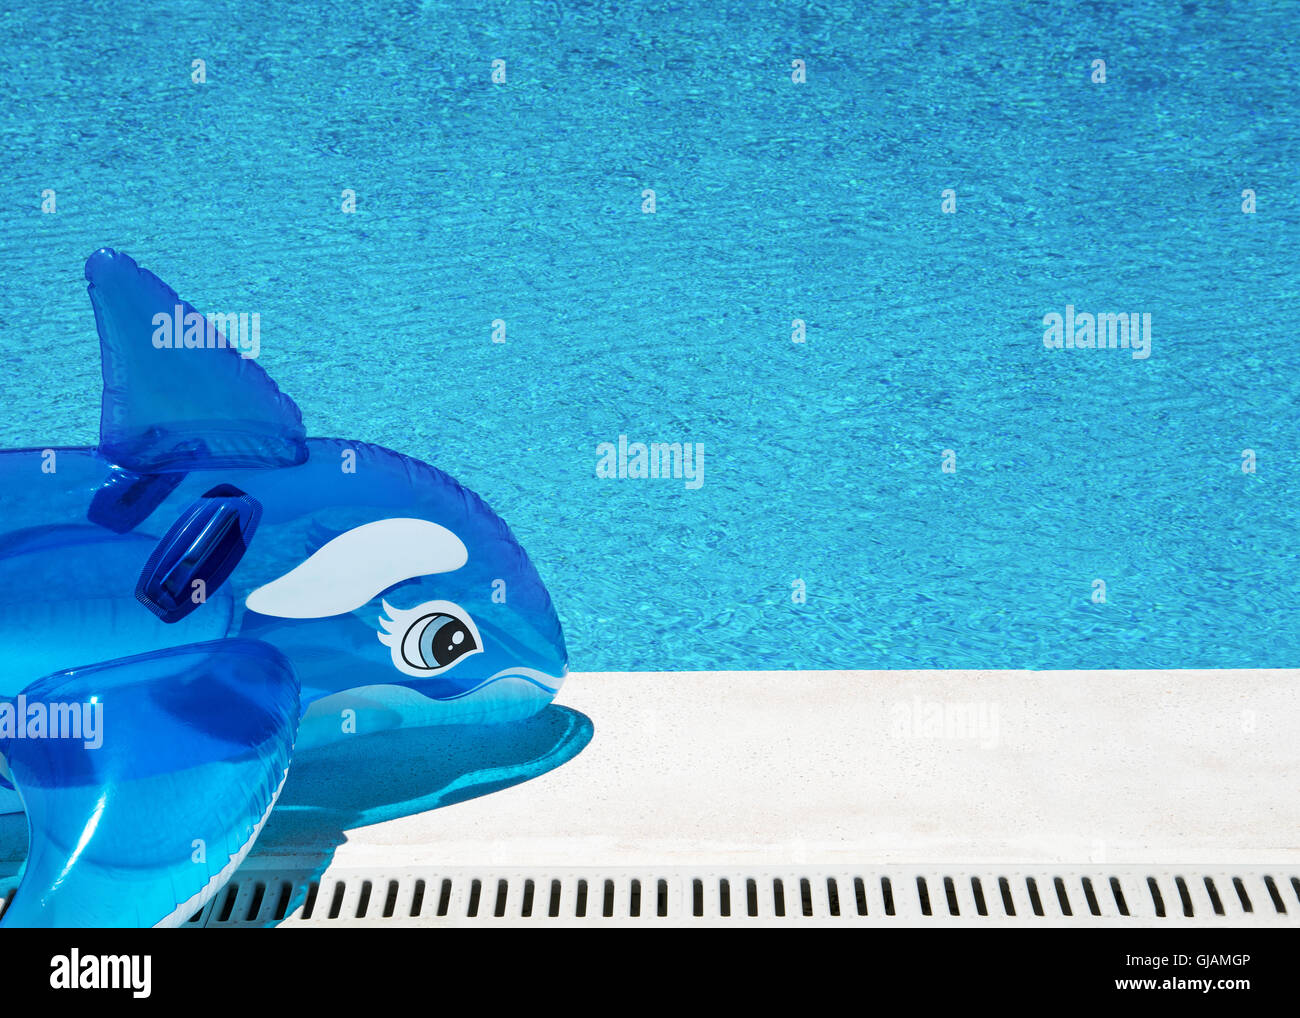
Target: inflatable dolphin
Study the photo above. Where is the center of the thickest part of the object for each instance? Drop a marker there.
(207, 588)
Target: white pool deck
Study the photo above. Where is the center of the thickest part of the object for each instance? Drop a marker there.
(849, 768)
(855, 767)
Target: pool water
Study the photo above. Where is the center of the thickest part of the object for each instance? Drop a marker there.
(524, 202)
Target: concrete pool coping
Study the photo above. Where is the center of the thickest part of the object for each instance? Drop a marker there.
(850, 768)
(854, 767)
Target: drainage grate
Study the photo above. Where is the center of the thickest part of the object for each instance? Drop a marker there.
(1123, 896)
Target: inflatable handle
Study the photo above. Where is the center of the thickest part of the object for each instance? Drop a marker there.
(125, 500)
(202, 547)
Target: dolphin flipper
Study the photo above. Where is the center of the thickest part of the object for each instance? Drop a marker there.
(147, 826)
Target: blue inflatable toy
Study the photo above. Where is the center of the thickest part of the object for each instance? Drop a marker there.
(206, 590)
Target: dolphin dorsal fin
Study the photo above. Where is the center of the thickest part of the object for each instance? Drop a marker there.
(169, 406)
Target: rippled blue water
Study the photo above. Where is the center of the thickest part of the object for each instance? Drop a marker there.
(775, 200)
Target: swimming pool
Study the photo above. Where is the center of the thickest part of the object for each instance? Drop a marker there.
(523, 203)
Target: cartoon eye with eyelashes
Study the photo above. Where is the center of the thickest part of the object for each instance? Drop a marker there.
(430, 638)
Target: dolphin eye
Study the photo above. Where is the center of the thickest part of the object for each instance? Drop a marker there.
(437, 641)
(430, 638)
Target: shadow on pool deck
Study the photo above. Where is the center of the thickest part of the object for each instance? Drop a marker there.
(373, 778)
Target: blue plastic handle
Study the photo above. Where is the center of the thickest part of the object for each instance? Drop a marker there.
(126, 499)
(202, 547)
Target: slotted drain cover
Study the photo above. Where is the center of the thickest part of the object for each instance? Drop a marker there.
(261, 896)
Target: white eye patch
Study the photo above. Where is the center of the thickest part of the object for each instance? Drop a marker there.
(352, 569)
